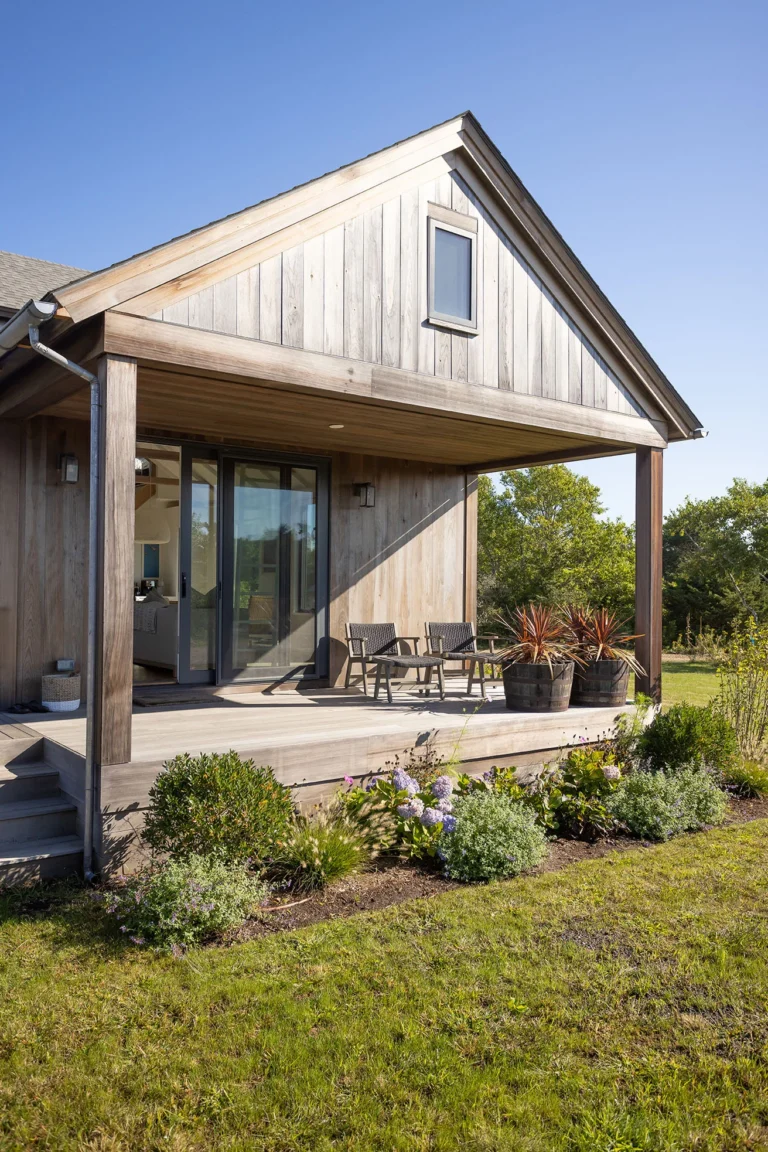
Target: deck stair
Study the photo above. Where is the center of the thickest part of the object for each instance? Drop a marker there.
(38, 823)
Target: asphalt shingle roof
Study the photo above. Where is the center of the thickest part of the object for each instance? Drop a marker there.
(24, 278)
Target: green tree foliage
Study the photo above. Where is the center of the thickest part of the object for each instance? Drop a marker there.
(542, 538)
(716, 560)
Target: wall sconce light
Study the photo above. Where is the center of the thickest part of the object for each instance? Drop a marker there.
(367, 494)
(69, 468)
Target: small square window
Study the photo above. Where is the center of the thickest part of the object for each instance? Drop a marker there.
(452, 269)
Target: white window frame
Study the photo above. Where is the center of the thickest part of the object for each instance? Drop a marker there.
(462, 225)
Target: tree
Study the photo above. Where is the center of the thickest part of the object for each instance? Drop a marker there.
(541, 537)
(716, 560)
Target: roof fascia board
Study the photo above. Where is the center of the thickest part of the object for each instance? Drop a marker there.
(287, 237)
(157, 342)
(140, 274)
(534, 222)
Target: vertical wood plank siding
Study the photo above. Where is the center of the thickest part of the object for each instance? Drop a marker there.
(360, 291)
(410, 558)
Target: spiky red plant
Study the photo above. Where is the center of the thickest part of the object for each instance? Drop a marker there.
(538, 636)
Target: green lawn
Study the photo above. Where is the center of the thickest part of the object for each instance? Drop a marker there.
(617, 1005)
(692, 683)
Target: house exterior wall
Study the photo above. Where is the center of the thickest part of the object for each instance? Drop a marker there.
(359, 290)
(43, 553)
(404, 560)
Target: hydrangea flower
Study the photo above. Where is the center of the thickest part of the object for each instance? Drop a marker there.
(442, 787)
(446, 804)
(372, 783)
(403, 782)
(449, 823)
(414, 807)
(611, 772)
(431, 816)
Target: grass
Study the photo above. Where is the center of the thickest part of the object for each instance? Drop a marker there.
(619, 1005)
(690, 683)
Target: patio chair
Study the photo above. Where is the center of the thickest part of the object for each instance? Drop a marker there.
(379, 645)
(458, 642)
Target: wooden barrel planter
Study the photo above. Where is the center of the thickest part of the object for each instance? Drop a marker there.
(601, 684)
(534, 688)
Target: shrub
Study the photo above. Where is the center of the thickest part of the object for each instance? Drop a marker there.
(217, 803)
(658, 805)
(747, 778)
(743, 699)
(320, 849)
(687, 734)
(493, 837)
(182, 902)
(568, 799)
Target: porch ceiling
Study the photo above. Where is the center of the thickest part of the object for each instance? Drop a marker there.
(174, 403)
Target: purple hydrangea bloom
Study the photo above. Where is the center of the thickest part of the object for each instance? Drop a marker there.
(442, 787)
(446, 804)
(403, 782)
(611, 772)
(372, 783)
(449, 823)
(414, 807)
(431, 816)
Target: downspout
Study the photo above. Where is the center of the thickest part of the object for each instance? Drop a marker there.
(25, 323)
(93, 577)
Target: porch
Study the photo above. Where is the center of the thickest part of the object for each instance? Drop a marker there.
(311, 739)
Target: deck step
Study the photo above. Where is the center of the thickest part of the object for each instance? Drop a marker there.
(43, 818)
(59, 856)
(27, 782)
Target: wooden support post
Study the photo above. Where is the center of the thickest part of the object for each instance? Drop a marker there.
(648, 570)
(117, 375)
(470, 548)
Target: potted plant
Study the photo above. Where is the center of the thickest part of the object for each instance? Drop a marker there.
(537, 664)
(602, 678)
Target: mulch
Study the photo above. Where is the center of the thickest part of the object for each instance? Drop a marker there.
(394, 881)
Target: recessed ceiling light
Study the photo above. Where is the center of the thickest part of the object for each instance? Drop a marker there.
(335, 426)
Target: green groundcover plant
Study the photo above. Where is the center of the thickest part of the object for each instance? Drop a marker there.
(659, 805)
(217, 803)
(178, 903)
(493, 837)
(687, 734)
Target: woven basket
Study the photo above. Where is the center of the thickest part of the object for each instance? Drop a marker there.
(61, 692)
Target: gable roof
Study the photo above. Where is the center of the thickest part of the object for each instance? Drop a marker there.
(24, 278)
(141, 283)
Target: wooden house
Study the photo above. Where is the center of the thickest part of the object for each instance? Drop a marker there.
(292, 409)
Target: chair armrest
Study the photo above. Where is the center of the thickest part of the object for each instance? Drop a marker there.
(487, 636)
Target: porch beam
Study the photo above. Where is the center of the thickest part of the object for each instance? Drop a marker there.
(117, 442)
(156, 343)
(648, 568)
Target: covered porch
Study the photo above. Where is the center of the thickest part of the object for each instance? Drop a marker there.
(311, 739)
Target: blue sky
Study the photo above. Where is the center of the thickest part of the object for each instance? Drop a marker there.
(640, 129)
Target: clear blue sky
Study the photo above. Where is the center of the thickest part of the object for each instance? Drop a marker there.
(640, 128)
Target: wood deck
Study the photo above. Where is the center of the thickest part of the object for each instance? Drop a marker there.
(315, 738)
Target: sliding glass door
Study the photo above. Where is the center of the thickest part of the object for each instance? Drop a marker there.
(274, 557)
(253, 584)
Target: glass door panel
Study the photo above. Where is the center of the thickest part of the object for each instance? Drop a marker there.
(270, 543)
(256, 566)
(203, 578)
(199, 566)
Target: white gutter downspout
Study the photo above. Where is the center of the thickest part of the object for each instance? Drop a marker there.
(22, 324)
